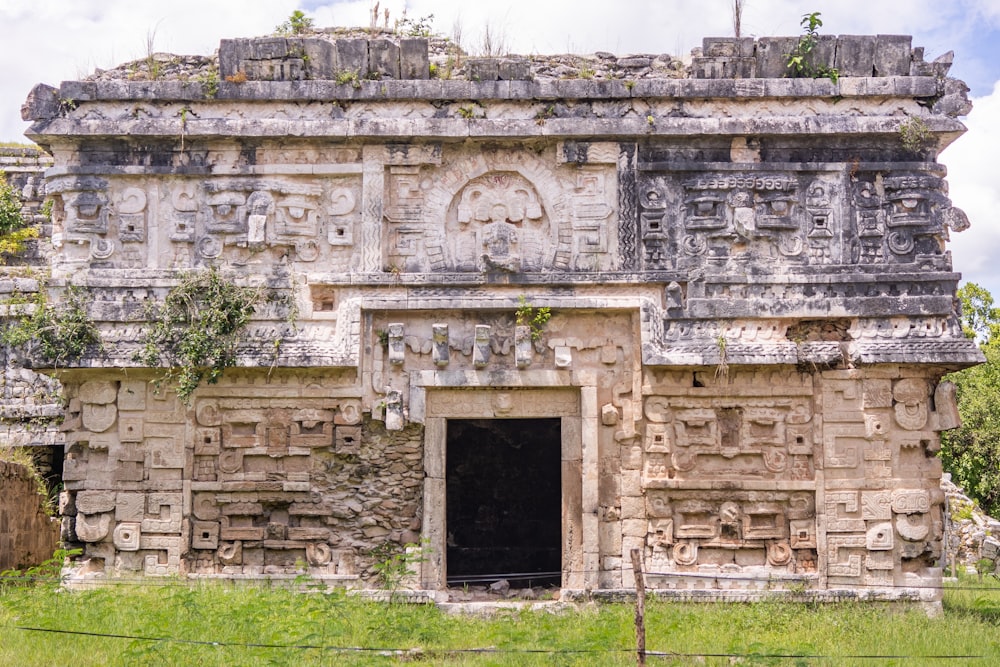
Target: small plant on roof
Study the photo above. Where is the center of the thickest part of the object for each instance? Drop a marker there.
(421, 27)
(800, 60)
(296, 24)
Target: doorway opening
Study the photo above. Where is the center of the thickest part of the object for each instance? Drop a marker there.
(504, 502)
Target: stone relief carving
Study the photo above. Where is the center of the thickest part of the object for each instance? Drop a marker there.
(503, 212)
(902, 216)
(750, 216)
(711, 438)
(712, 531)
(251, 464)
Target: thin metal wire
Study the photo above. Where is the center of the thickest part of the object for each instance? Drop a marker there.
(488, 650)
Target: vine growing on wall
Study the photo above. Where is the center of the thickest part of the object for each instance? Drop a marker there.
(195, 330)
(535, 318)
(915, 135)
(60, 333)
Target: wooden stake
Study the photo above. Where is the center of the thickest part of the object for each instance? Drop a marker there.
(640, 609)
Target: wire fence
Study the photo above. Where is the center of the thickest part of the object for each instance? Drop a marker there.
(432, 652)
(422, 652)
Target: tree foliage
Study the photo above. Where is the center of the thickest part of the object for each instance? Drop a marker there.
(14, 229)
(10, 207)
(980, 318)
(971, 453)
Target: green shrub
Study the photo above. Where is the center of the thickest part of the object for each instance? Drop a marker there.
(194, 331)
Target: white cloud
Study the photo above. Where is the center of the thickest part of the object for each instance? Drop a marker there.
(58, 40)
(971, 165)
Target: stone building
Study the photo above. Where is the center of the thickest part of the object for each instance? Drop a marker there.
(29, 402)
(751, 306)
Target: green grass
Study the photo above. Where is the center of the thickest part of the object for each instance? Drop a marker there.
(302, 629)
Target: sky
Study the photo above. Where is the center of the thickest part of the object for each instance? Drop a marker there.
(50, 41)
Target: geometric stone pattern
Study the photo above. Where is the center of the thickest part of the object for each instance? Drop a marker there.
(751, 301)
(257, 485)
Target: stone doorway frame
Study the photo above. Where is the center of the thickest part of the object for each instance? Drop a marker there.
(436, 396)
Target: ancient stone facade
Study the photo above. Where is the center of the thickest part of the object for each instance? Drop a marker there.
(751, 308)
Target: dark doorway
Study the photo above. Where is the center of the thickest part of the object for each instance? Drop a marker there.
(504, 496)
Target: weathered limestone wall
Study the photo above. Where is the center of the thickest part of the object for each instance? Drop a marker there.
(28, 536)
(270, 477)
(30, 402)
(752, 307)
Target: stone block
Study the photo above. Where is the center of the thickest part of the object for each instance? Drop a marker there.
(383, 58)
(635, 528)
(130, 506)
(95, 502)
(205, 535)
(892, 55)
(824, 54)
(855, 55)
(511, 69)
(414, 62)
(347, 439)
(42, 103)
(772, 56)
(240, 533)
(727, 47)
(918, 67)
(724, 68)
(127, 536)
(482, 69)
(352, 56)
(92, 527)
(99, 392)
(130, 429)
(268, 48)
(232, 52)
(320, 56)
(990, 548)
(633, 507)
(298, 533)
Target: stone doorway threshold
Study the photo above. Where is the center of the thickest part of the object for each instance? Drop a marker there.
(489, 608)
(503, 591)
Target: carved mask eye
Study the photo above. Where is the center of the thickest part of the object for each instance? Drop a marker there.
(776, 208)
(88, 206)
(225, 206)
(705, 208)
(910, 205)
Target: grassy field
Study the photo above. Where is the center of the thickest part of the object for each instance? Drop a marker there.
(174, 624)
